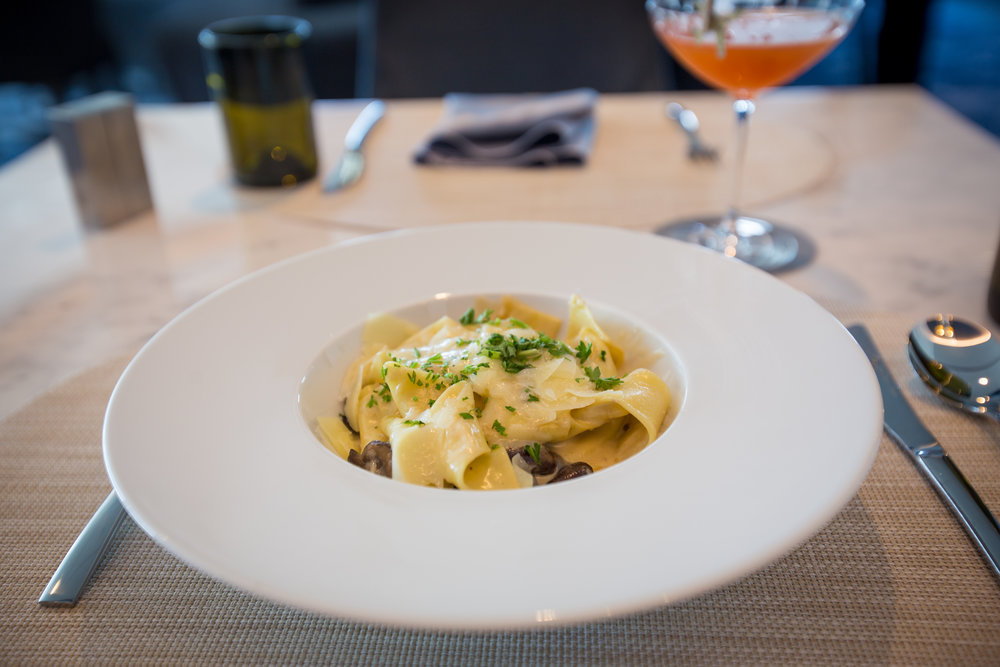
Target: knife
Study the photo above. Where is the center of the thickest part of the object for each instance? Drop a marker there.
(82, 558)
(906, 429)
(352, 162)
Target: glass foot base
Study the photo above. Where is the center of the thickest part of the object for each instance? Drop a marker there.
(756, 242)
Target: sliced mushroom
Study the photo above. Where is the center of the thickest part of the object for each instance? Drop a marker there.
(344, 419)
(545, 464)
(572, 471)
(376, 457)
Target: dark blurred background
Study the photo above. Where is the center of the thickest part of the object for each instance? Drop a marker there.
(57, 51)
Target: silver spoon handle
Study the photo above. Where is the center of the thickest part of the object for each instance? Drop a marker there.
(82, 558)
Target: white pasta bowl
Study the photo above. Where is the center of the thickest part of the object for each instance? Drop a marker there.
(775, 422)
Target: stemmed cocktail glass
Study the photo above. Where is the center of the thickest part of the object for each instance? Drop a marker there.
(743, 47)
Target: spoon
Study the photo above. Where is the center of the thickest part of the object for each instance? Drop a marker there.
(960, 361)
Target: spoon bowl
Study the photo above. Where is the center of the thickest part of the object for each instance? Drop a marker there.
(960, 361)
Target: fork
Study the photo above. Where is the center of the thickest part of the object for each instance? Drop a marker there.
(697, 150)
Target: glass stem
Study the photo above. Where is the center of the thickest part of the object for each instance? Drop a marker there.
(744, 109)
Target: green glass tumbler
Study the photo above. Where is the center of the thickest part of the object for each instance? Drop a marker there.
(255, 72)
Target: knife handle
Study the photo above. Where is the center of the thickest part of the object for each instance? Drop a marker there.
(363, 124)
(906, 429)
(80, 562)
(963, 500)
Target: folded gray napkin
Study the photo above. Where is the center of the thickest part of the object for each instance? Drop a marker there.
(520, 130)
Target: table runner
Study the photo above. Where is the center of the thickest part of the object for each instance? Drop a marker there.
(892, 579)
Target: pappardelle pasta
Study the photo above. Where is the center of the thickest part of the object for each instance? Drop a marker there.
(493, 400)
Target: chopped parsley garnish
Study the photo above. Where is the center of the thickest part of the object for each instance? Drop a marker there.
(472, 369)
(532, 398)
(510, 408)
(604, 355)
(594, 373)
(371, 402)
(433, 359)
(515, 352)
(583, 351)
(499, 428)
(413, 422)
(534, 451)
(465, 415)
(469, 317)
(517, 324)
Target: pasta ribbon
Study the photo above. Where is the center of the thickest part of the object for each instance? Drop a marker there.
(443, 447)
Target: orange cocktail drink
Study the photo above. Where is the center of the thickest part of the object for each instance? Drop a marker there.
(759, 48)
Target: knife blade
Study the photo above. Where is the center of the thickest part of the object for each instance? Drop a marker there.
(923, 449)
(352, 161)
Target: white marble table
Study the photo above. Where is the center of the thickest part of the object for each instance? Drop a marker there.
(900, 196)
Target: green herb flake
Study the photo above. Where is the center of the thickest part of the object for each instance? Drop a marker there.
(583, 350)
(472, 369)
(509, 408)
(465, 415)
(594, 373)
(432, 360)
(413, 422)
(534, 451)
(469, 317)
(499, 428)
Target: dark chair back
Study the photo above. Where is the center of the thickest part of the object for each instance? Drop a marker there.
(426, 48)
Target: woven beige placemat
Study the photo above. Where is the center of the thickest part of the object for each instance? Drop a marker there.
(891, 580)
